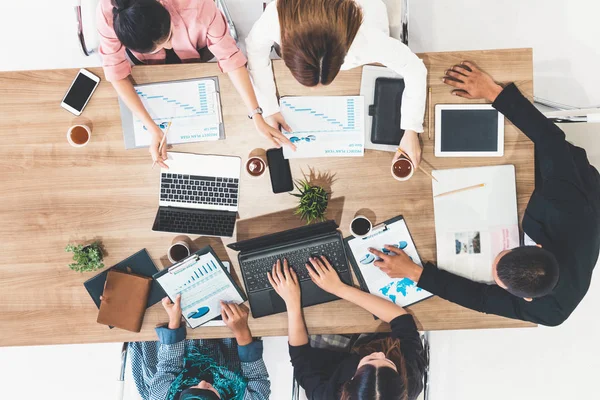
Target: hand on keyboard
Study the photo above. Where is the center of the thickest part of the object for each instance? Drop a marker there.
(324, 275)
(285, 282)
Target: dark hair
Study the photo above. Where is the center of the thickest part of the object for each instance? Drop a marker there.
(378, 383)
(141, 24)
(316, 36)
(528, 271)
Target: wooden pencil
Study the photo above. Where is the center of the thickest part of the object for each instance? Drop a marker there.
(430, 121)
(460, 190)
(420, 167)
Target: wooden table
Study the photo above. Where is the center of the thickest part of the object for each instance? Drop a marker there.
(54, 194)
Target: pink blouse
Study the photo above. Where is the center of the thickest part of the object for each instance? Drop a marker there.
(196, 24)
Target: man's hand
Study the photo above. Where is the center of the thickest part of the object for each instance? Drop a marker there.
(286, 284)
(236, 319)
(157, 136)
(471, 82)
(271, 131)
(411, 146)
(323, 274)
(397, 264)
(173, 311)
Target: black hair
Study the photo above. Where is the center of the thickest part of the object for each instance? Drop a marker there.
(141, 24)
(528, 271)
(375, 383)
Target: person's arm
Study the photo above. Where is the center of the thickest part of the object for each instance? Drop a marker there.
(171, 351)
(264, 33)
(255, 371)
(322, 273)
(553, 154)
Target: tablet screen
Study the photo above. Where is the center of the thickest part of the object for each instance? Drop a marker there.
(469, 131)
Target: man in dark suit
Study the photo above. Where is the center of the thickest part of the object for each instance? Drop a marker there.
(545, 281)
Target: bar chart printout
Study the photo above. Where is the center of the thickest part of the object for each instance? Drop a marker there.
(202, 283)
(324, 126)
(191, 106)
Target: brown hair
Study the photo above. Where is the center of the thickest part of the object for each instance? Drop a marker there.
(381, 383)
(315, 37)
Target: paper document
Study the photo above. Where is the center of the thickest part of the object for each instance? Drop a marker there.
(193, 108)
(202, 284)
(324, 126)
(473, 226)
(402, 292)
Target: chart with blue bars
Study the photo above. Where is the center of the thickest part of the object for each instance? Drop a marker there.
(324, 125)
(192, 108)
(199, 274)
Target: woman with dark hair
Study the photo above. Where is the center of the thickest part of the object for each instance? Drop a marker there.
(218, 369)
(171, 31)
(389, 368)
(318, 38)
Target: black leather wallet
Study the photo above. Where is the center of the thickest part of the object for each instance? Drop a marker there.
(386, 111)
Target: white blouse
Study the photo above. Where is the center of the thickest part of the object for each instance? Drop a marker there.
(372, 44)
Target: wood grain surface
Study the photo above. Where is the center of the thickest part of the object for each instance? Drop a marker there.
(54, 194)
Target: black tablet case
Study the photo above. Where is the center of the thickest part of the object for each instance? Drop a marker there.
(386, 111)
(352, 258)
(140, 264)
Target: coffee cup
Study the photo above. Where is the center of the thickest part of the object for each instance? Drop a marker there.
(256, 167)
(178, 251)
(360, 226)
(403, 169)
(79, 135)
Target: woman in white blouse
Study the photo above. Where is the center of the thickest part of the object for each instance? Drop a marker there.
(318, 38)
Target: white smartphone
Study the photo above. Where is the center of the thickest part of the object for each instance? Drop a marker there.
(80, 92)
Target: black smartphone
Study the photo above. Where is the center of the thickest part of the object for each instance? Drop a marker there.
(279, 169)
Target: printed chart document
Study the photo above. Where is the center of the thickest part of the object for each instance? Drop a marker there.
(473, 226)
(402, 292)
(202, 283)
(192, 107)
(324, 126)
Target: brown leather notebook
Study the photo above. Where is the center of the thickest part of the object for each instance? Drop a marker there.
(124, 300)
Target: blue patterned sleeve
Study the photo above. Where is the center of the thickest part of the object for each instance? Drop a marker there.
(255, 371)
(170, 361)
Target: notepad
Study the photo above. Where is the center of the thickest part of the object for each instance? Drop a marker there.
(203, 283)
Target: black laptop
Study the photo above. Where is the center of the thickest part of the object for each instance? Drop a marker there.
(257, 257)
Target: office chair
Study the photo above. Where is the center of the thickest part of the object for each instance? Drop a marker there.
(86, 28)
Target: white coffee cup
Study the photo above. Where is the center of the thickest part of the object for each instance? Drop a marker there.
(360, 226)
(76, 135)
(184, 253)
(405, 163)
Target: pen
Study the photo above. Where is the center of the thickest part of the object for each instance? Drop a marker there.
(162, 142)
(430, 123)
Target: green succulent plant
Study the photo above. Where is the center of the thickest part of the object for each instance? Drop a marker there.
(87, 258)
(313, 201)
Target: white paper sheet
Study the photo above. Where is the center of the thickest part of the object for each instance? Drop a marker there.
(402, 292)
(202, 285)
(192, 107)
(324, 126)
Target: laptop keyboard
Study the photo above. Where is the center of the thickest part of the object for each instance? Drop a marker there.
(199, 189)
(196, 222)
(255, 271)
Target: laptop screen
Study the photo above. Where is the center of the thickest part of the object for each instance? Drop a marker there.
(284, 237)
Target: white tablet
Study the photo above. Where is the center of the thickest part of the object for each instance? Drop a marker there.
(468, 130)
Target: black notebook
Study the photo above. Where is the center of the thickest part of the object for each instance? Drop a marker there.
(386, 111)
(140, 264)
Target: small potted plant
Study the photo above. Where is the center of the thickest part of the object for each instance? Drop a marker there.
(313, 201)
(87, 258)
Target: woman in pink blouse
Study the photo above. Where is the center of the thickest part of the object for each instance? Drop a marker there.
(170, 31)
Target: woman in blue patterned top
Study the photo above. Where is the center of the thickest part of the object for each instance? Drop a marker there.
(220, 369)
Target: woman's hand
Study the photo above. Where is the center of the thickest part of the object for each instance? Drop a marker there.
(273, 133)
(173, 311)
(471, 82)
(236, 319)
(285, 282)
(157, 136)
(411, 145)
(323, 274)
